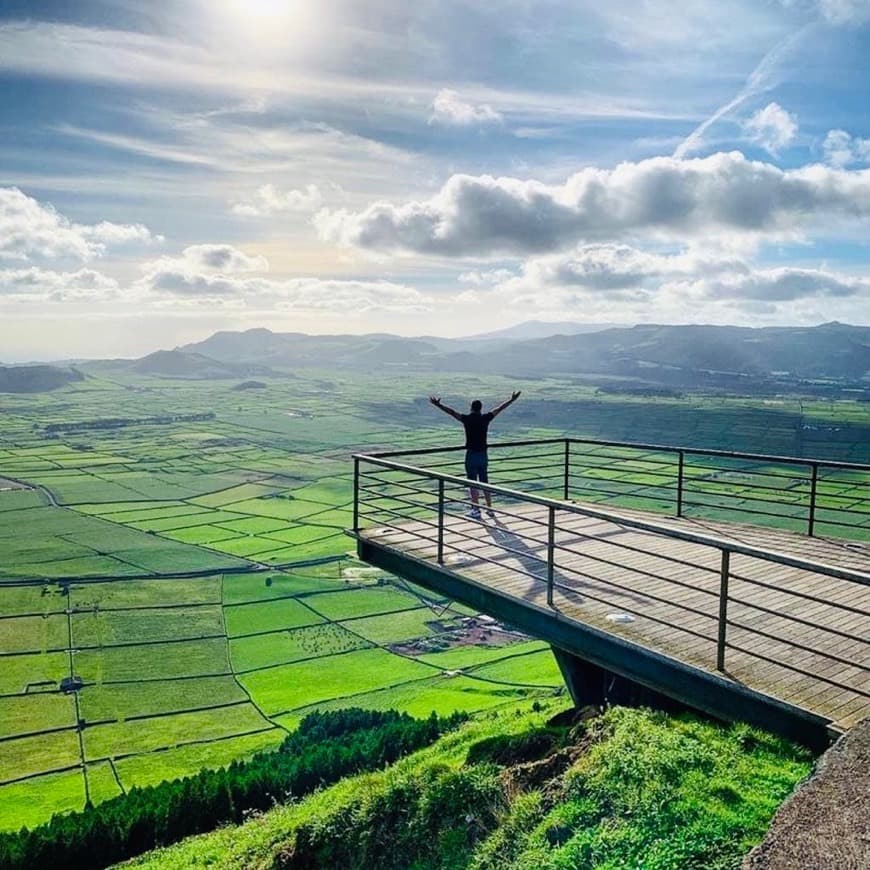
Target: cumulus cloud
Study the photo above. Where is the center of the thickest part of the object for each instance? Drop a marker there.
(772, 127)
(45, 284)
(29, 229)
(267, 200)
(224, 274)
(619, 272)
(608, 267)
(209, 259)
(662, 197)
(449, 109)
(841, 149)
(309, 294)
(776, 285)
(205, 271)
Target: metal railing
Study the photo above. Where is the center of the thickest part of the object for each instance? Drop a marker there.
(813, 496)
(715, 594)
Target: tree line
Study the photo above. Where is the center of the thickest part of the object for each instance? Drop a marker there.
(324, 748)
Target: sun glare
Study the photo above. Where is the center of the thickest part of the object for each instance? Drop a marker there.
(268, 27)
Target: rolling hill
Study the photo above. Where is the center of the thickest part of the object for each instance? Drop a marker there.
(36, 378)
(179, 364)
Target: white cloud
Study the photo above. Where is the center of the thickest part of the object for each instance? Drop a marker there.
(267, 200)
(601, 275)
(834, 11)
(776, 285)
(31, 229)
(761, 79)
(223, 274)
(210, 259)
(845, 11)
(48, 285)
(449, 109)
(486, 278)
(350, 298)
(772, 127)
(841, 149)
(723, 194)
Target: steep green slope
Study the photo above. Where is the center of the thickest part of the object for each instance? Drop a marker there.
(627, 788)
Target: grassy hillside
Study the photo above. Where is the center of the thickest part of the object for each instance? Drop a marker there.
(628, 788)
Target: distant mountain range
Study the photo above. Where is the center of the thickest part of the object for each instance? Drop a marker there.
(654, 354)
(540, 329)
(680, 354)
(641, 358)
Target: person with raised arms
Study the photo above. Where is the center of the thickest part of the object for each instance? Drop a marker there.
(476, 425)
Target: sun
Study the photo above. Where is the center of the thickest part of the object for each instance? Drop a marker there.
(265, 30)
(269, 15)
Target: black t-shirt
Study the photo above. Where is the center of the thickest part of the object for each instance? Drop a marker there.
(475, 430)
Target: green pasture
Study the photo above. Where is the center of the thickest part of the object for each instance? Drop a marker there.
(286, 646)
(265, 586)
(157, 697)
(442, 693)
(361, 602)
(266, 616)
(30, 714)
(146, 593)
(33, 801)
(153, 767)
(34, 633)
(102, 628)
(166, 660)
(102, 783)
(38, 753)
(283, 689)
(36, 671)
(146, 735)
(392, 628)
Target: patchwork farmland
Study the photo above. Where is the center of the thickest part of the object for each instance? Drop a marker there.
(175, 586)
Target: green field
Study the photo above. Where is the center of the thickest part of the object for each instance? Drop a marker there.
(227, 606)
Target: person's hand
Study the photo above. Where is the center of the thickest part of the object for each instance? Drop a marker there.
(435, 400)
(515, 395)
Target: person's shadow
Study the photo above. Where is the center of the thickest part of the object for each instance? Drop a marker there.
(530, 550)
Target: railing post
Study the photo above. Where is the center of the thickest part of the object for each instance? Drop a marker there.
(355, 494)
(682, 459)
(567, 465)
(813, 483)
(441, 521)
(551, 554)
(723, 609)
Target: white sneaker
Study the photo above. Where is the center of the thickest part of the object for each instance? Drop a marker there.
(474, 514)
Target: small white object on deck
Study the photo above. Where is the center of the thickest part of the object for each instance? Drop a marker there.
(621, 618)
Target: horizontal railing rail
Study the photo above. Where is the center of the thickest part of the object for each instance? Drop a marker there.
(815, 629)
(803, 494)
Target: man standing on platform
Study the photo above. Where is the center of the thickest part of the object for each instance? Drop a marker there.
(476, 426)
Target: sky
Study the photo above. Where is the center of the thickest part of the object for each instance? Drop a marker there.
(172, 168)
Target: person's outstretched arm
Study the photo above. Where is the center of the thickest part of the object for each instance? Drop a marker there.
(499, 408)
(436, 401)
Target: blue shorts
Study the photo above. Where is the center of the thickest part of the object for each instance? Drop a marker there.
(475, 465)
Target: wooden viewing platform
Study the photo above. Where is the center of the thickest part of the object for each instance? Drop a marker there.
(741, 620)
